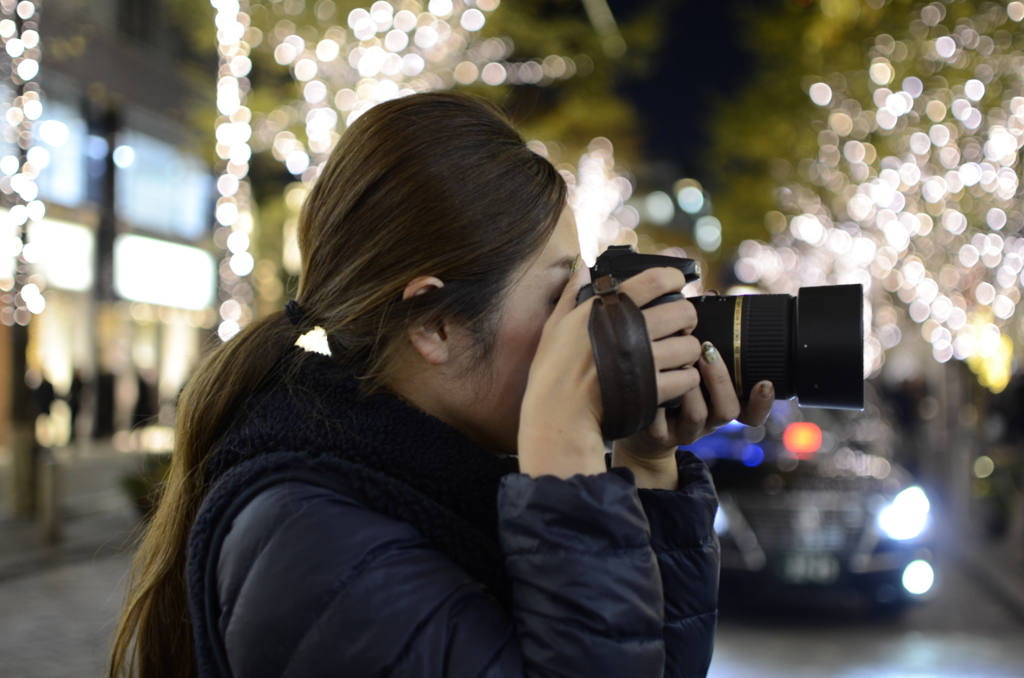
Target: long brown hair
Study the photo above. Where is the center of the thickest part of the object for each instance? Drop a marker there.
(431, 184)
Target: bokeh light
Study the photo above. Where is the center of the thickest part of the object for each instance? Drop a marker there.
(598, 191)
(24, 101)
(691, 199)
(660, 209)
(913, 193)
(708, 233)
(344, 66)
(234, 132)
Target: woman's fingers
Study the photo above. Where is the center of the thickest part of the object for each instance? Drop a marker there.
(757, 409)
(668, 319)
(657, 433)
(645, 287)
(724, 404)
(693, 413)
(698, 416)
(673, 352)
(673, 383)
(567, 302)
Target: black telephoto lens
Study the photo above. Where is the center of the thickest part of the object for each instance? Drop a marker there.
(810, 346)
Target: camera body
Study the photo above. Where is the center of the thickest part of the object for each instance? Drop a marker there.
(810, 346)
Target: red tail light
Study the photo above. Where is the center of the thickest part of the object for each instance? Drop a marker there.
(802, 438)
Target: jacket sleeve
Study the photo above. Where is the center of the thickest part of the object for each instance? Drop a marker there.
(587, 598)
(683, 537)
(312, 583)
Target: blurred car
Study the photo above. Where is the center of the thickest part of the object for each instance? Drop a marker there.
(809, 515)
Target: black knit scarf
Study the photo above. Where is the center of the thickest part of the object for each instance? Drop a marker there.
(400, 461)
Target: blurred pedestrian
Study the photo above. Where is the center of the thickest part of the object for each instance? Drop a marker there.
(144, 411)
(74, 398)
(104, 404)
(39, 405)
(43, 393)
(419, 487)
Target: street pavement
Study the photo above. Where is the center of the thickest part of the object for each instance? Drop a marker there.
(964, 631)
(58, 623)
(97, 517)
(59, 602)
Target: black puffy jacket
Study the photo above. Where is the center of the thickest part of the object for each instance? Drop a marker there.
(303, 579)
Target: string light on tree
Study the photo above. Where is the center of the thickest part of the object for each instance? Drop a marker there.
(914, 190)
(320, 68)
(342, 65)
(21, 162)
(598, 192)
(234, 210)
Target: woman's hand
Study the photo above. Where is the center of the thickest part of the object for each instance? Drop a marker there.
(650, 454)
(560, 419)
(559, 422)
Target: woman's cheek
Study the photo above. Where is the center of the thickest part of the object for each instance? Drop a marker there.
(517, 344)
(533, 330)
(522, 347)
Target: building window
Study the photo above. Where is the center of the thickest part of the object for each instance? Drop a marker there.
(62, 133)
(160, 188)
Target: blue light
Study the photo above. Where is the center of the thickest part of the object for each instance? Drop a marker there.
(725, 443)
(753, 455)
(96, 147)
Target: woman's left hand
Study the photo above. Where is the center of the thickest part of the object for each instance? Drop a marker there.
(650, 454)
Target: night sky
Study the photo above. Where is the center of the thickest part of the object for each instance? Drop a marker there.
(701, 59)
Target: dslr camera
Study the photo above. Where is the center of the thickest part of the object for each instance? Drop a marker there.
(810, 346)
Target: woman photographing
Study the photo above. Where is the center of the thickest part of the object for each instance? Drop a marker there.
(433, 497)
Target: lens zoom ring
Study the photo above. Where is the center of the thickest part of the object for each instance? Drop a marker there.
(766, 342)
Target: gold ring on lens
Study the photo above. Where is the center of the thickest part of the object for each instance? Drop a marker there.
(737, 333)
(575, 264)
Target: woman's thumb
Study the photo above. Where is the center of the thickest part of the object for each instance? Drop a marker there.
(567, 302)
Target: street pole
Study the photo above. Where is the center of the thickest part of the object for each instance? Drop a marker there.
(104, 122)
(21, 433)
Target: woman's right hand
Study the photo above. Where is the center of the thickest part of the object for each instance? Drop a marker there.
(560, 419)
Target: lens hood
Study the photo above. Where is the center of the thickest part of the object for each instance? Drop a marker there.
(830, 347)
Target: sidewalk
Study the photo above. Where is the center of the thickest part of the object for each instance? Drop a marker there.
(59, 603)
(58, 622)
(98, 519)
(999, 567)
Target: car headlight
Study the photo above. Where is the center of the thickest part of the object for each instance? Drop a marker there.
(907, 515)
(918, 577)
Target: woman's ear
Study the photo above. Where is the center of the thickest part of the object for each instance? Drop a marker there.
(430, 338)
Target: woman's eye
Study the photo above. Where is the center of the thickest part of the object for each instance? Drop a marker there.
(559, 292)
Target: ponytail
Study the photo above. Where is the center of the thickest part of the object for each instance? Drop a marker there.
(156, 616)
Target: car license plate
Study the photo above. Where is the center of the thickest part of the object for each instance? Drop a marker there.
(810, 568)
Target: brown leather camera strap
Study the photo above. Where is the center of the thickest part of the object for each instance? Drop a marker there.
(624, 360)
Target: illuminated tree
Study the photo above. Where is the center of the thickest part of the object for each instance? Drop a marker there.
(20, 164)
(21, 160)
(892, 160)
(293, 75)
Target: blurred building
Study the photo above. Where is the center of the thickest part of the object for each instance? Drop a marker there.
(123, 255)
